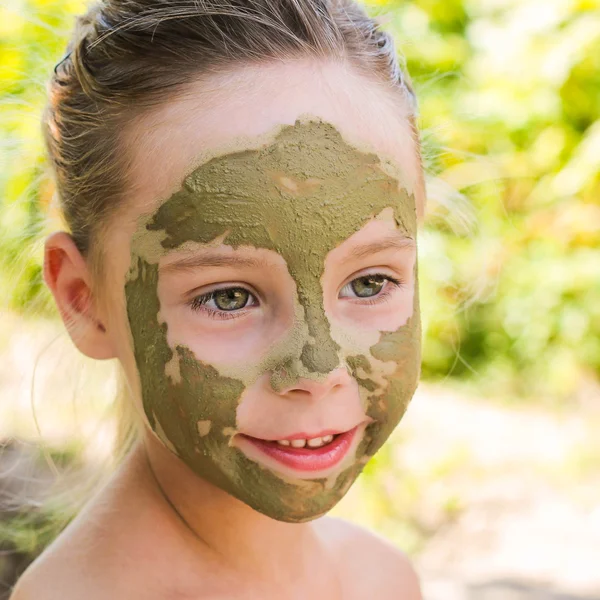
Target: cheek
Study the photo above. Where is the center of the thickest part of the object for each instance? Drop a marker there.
(363, 331)
(402, 349)
(390, 369)
(216, 341)
(116, 322)
(389, 315)
(227, 340)
(394, 366)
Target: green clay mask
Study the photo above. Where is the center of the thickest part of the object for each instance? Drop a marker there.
(300, 195)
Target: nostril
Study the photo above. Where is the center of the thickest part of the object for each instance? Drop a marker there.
(299, 391)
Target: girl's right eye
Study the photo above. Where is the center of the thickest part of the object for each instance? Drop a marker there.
(223, 303)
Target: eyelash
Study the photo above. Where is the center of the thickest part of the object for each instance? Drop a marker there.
(198, 303)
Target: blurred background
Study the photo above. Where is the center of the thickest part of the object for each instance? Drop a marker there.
(491, 483)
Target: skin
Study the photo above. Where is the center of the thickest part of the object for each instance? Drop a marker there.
(158, 529)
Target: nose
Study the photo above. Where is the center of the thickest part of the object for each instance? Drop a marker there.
(317, 389)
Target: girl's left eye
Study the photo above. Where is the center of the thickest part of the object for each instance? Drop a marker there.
(375, 285)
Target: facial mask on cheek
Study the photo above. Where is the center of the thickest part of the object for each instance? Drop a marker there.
(301, 196)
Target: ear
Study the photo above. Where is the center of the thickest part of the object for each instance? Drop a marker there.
(67, 275)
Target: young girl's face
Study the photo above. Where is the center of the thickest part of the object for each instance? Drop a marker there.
(266, 266)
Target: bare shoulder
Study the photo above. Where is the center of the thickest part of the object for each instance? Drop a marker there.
(89, 558)
(73, 566)
(20, 592)
(31, 587)
(373, 565)
(44, 580)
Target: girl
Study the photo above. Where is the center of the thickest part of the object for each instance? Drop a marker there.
(241, 182)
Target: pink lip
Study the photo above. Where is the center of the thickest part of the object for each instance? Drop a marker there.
(307, 459)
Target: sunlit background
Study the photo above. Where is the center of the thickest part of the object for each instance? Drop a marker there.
(492, 481)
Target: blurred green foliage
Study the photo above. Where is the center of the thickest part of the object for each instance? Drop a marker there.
(510, 104)
(509, 95)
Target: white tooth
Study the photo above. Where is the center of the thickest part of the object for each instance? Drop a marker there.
(315, 442)
(298, 443)
(283, 442)
(327, 438)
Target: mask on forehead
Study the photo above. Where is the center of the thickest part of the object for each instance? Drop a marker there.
(301, 196)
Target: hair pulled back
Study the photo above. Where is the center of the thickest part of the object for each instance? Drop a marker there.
(128, 54)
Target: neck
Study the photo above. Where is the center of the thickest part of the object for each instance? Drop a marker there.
(210, 518)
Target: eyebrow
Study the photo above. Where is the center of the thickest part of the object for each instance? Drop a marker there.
(214, 259)
(394, 240)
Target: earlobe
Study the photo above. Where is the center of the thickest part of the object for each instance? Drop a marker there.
(67, 275)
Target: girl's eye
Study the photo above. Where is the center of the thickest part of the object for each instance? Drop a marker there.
(219, 302)
(231, 299)
(369, 286)
(365, 287)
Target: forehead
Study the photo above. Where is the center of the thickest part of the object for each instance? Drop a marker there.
(308, 188)
(240, 111)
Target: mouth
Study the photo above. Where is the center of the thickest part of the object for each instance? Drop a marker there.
(304, 453)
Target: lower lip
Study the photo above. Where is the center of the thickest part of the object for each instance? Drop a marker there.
(308, 459)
